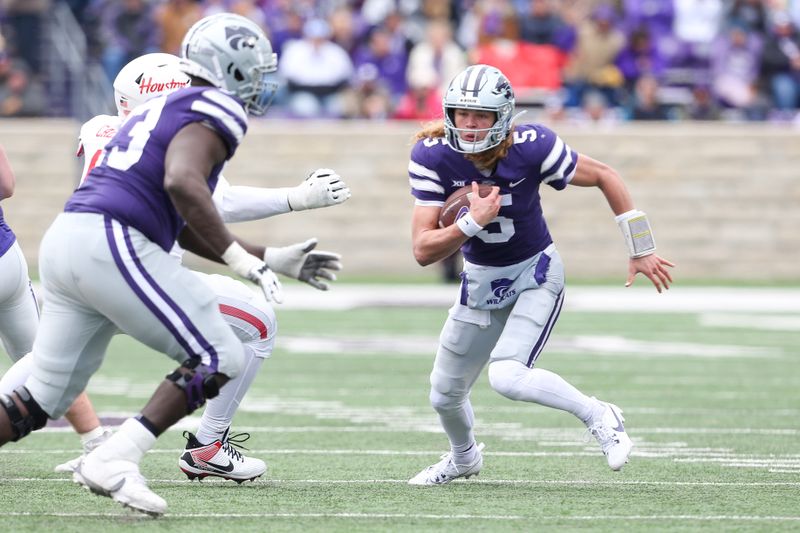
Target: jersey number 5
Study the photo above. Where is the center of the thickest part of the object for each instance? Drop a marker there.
(506, 225)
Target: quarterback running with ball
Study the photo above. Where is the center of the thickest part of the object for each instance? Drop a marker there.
(512, 284)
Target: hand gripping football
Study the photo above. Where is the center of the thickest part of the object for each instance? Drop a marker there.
(457, 204)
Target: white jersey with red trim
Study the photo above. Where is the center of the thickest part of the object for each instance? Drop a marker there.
(93, 137)
(96, 133)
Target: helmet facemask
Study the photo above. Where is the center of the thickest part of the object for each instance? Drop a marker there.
(478, 88)
(259, 93)
(494, 135)
(233, 54)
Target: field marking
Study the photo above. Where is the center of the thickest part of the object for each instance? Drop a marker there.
(722, 457)
(750, 321)
(609, 345)
(484, 481)
(578, 298)
(507, 431)
(421, 516)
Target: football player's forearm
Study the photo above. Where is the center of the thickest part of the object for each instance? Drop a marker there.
(242, 204)
(192, 200)
(617, 195)
(434, 245)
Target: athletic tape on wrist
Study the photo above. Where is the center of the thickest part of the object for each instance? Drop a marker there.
(637, 233)
(468, 226)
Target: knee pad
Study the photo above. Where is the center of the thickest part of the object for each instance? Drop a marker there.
(23, 424)
(446, 393)
(198, 384)
(504, 376)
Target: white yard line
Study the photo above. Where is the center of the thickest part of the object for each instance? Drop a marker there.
(578, 298)
(542, 482)
(421, 516)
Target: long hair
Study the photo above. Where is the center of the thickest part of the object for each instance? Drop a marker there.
(483, 160)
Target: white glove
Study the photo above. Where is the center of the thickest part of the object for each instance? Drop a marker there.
(321, 188)
(299, 262)
(251, 267)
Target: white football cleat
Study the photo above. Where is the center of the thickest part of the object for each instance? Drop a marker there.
(611, 435)
(120, 480)
(72, 465)
(446, 470)
(220, 458)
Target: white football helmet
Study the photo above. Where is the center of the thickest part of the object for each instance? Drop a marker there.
(232, 53)
(479, 88)
(146, 77)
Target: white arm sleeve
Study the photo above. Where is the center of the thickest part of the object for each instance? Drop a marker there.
(242, 204)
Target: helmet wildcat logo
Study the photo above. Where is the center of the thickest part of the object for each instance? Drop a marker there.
(239, 37)
(233, 54)
(501, 288)
(503, 88)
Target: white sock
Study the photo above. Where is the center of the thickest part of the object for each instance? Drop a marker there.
(514, 380)
(457, 422)
(219, 411)
(129, 443)
(91, 435)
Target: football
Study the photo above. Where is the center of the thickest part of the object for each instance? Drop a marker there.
(458, 203)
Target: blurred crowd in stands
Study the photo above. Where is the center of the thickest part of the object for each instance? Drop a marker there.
(586, 61)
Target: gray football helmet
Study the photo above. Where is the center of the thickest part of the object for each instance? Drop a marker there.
(232, 53)
(479, 88)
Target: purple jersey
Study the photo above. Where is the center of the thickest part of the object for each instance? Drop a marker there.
(128, 183)
(7, 237)
(519, 231)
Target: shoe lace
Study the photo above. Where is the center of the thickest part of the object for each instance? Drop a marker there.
(233, 443)
(444, 468)
(447, 466)
(606, 436)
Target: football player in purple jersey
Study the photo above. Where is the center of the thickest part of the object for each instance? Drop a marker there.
(512, 284)
(19, 313)
(106, 266)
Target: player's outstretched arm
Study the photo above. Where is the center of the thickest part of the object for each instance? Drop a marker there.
(190, 158)
(633, 223)
(237, 203)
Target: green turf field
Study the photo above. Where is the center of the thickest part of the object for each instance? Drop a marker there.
(341, 415)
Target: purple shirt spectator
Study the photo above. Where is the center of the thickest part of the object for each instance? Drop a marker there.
(655, 15)
(640, 57)
(389, 61)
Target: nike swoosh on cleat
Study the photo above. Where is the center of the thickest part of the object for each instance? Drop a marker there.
(118, 486)
(619, 427)
(226, 468)
(515, 183)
